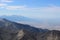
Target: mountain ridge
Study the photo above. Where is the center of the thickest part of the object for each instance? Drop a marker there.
(16, 31)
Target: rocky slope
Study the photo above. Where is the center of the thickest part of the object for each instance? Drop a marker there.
(15, 31)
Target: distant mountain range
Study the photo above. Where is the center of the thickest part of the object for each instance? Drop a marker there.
(16, 18)
(39, 23)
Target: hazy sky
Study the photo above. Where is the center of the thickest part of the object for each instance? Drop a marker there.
(31, 8)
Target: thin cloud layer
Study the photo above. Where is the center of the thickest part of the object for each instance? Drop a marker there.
(15, 7)
(40, 9)
(6, 1)
(43, 9)
(2, 5)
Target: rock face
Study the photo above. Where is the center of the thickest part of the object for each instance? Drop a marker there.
(19, 35)
(15, 31)
(50, 35)
(54, 35)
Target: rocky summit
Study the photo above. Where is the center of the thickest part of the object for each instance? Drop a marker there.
(17, 31)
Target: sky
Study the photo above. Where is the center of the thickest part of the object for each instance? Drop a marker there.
(31, 8)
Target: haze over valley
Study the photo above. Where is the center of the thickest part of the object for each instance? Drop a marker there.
(52, 24)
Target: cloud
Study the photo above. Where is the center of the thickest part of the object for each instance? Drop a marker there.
(51, 8)
(2, 5)
(6, 1)
(41, 9)
(46, 9)
(15, 7)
